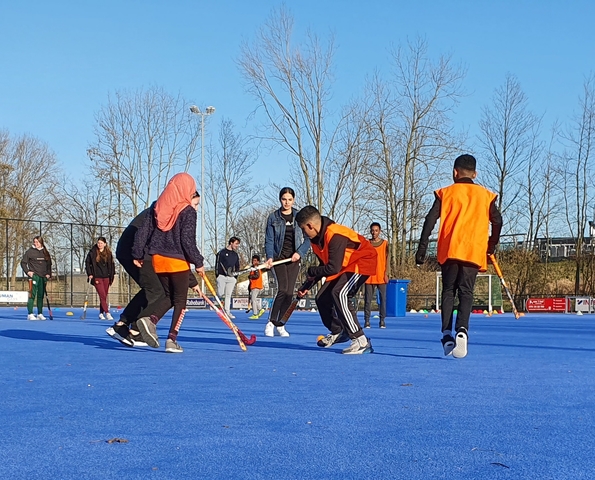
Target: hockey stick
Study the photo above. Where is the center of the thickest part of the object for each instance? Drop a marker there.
(84, 315)
(503, 282)
(225, 320)
(307, 285)
(245, 339)
(261, 266)
(47, 300)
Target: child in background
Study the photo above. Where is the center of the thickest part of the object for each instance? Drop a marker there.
(255, 287)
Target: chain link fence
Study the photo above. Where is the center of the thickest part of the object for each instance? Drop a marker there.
(68, 244)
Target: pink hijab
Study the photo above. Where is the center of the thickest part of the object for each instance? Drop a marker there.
(175, 197)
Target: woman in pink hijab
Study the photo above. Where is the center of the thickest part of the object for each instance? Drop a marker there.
(168, 234)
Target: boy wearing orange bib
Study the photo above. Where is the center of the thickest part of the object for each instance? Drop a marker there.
(466, 211)
(379, 279)
(347, 259)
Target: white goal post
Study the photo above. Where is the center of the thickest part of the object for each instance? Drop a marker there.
(489, 292)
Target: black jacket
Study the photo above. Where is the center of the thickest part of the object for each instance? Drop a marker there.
(101, 269)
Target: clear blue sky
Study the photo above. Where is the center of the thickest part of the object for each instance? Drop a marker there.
(60, 59)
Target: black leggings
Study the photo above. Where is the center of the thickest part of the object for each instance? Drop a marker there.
(286, 275)
(175, 286)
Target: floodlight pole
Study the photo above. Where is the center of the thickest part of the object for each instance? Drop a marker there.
(208, 111)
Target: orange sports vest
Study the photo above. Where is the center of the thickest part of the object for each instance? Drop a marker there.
(378, 277)
(361, 260)
(464, 223)
(162, 264)
(256, 284)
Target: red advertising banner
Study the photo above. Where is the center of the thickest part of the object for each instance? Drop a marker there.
(546, 304)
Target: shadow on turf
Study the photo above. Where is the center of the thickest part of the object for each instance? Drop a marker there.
(50, 337)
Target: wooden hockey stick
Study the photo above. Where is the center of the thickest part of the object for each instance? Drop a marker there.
(503, 282)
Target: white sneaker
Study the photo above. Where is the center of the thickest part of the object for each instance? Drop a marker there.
(282, 332)
(230, 315)
(40, 317)
(108, 316)
(460, 350)
(269, 330)
(102, 317)
(31, 316)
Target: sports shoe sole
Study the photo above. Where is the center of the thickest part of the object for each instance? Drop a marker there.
(362, 351)
(174, 350)
(115, 335)
(148, 336)
(342, 338)
(448, 348)
(460, 350)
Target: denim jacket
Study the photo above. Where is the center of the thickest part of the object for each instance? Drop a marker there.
(275, 234)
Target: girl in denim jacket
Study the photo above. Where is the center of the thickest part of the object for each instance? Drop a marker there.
(283, 239)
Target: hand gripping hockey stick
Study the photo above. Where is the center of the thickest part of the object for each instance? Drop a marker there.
(503, 282)
(84, 315)
(301, 293)
(224, 319)
(261, 266)
(229, 323)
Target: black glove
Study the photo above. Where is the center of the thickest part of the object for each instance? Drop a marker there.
(491, 249)
(420, 256)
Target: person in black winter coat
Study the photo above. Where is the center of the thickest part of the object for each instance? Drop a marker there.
(101, 269)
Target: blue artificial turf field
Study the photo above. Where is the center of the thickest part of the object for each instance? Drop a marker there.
(520, 405)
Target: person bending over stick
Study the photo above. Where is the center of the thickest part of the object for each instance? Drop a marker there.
(347, 259)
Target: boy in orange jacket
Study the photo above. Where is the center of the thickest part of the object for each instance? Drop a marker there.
(347, 259)
(466, 211)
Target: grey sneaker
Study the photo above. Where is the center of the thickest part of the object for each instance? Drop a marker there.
(172, 347)
(331, 339)
(148, 331)
(356, 347)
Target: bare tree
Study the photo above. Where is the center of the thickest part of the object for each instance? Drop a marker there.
(231, 189)
(29, 172)
(291, 83)
(142, 139)
(577, 171)
(509, 133)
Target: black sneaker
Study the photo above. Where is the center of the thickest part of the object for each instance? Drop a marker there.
(367, 324)
(148, 331)
(331, 339)
(120, 333)
(382, 324)
(448, 344)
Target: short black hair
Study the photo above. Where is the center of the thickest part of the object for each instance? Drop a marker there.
(256, 257)
(305, 214)
(375, 224)
(466, 162)
(233, 240)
